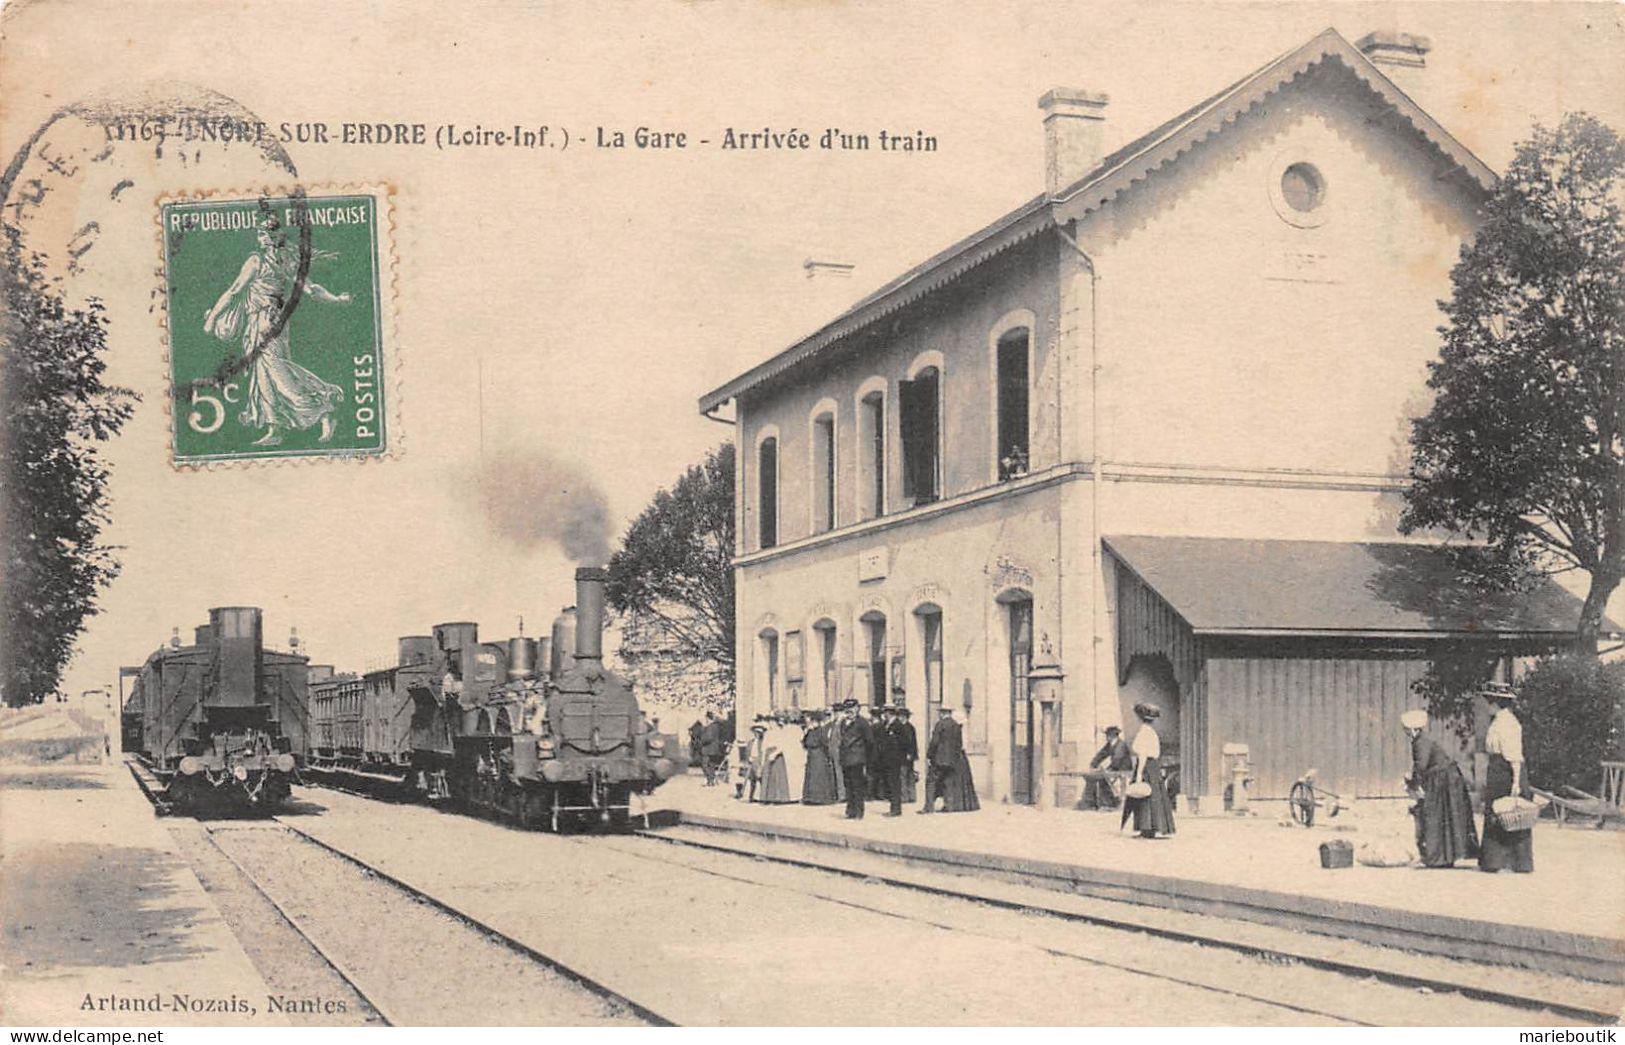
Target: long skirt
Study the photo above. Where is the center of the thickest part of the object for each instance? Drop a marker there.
(1444, 819)
(818, 782)
(1502, 849)
(961, 790)
(775, 782)
(1154, 814)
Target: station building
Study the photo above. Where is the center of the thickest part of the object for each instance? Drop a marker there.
(1141, 438)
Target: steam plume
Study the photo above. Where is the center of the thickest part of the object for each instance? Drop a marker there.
(528, 498)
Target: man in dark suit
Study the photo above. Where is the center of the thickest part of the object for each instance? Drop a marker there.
(889, 755)
(909, 745)
(711, 747)
(1110, 764)
(857, 751)
(942, 757)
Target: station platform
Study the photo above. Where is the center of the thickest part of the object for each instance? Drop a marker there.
(1567, 918)
(102, 922)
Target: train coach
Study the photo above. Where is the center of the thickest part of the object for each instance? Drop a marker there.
(537, 731)
(221, 723)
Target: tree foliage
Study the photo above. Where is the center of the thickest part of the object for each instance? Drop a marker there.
(54, 410)
(1524, 447)
(1573, 711)
(675, 566)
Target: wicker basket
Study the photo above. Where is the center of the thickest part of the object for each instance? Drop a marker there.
(1138, 789)
(1515, 814)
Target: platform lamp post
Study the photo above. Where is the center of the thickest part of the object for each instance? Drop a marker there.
(1044, 689)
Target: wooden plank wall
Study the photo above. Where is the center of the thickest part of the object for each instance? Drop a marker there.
(1339, 715)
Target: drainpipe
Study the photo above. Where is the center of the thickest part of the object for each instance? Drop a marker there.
(1097, 600)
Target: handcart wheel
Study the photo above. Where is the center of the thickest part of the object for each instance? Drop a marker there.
(1301, 800)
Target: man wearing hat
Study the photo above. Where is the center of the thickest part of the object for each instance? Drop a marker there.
(1114, 758)
(942, 757)
(856, 752)
(889, 756)
(908, 744)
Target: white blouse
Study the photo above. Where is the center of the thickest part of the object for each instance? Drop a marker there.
(1505, 736)
(1146, 743)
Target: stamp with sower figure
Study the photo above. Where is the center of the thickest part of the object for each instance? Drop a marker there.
(276, 326)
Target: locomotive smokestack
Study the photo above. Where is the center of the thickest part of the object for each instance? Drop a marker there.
(590, 612)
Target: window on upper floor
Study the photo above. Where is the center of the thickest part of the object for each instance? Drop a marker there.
(767, 493)
(823, 464)
(872, 454)
(919, 409)
(1013, 385)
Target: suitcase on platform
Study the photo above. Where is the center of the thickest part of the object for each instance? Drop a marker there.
(1336, 853)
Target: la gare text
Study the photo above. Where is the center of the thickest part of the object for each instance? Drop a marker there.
(462, 136)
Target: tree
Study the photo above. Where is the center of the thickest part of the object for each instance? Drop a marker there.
(675, 566)
(1524, 447)
(54, 410)
(1573, 710)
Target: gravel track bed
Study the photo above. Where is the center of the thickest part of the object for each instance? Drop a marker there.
(1236, 981)
(421, 966)
(291, 967)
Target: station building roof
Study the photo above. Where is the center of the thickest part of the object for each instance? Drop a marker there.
(1244, 587)
(1115, 173)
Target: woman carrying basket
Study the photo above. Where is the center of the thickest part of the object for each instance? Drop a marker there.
(1504, 777)
(1146, 799)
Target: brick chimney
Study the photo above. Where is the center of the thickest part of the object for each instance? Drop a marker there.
(1400, 56)
(1074, 135)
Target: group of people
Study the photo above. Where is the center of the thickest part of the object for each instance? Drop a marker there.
(856, 754)
(1443, 808)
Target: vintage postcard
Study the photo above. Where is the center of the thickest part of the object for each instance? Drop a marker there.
(812, 514)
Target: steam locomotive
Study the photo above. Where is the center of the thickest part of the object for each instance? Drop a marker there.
(220, 723)
(483, 726)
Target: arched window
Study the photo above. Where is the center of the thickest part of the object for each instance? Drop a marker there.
(919, 404)
(768, 674)
(929, 616)
(874, 627)
(767, 493)
(871, 433)
(823, 467)
(829, 664)
(1014, 381)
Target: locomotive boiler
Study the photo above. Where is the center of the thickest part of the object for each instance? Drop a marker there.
(533, 730)
(220, 723)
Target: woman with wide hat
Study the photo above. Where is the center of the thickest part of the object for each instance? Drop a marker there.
(1502, 849)
(1147, 798)
(1444, 810)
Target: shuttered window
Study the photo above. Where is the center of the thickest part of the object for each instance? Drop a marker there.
(918, 405)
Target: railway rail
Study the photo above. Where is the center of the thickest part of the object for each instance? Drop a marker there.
(1589, 1006)
(1124, 940)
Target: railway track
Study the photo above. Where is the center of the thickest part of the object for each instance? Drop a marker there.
(1534, 993)
(1233, 963)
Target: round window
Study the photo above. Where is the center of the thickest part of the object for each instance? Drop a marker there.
(1302, 187)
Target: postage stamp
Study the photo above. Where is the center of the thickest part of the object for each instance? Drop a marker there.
(277, 326)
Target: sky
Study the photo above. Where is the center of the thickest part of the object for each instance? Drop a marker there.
(557, 314)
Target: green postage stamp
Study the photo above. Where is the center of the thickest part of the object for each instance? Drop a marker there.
(277, 315)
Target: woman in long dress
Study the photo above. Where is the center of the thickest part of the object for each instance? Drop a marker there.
(254, 312)
(1444, 813)
(1154, 814)
(1502, 849)
(775, 772)
(818, 782)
